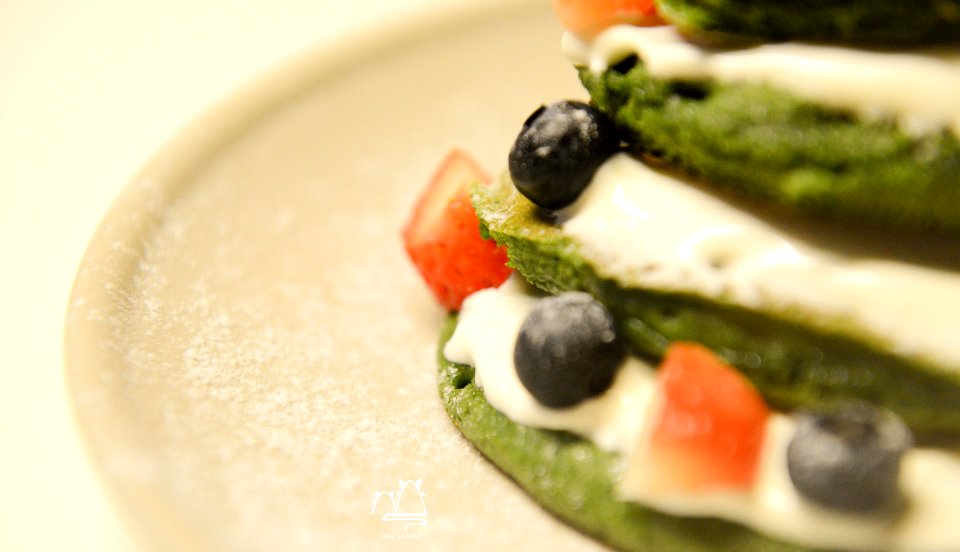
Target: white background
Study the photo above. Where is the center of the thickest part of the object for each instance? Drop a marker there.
(88, 91)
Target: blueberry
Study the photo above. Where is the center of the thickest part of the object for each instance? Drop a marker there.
(558, 151)
(849, 459)
(568, 350)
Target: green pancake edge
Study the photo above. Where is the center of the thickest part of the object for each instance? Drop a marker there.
(769, 145)
(574, 480)
(857, 21)
(794, 361)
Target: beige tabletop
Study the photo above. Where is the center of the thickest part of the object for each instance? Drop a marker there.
(88, 91)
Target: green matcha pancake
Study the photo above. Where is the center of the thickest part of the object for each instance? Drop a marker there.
(857, 135)
(834, 20)
(803, 343)
(773, 146)
(575, 480)
(687, 457)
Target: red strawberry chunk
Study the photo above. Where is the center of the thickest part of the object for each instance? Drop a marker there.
(443, 237)
(709, 433)
(588, 17)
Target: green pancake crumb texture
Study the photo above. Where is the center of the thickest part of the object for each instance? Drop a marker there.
(773, 146)
(792, 362)
(844, 20)
(574, 480)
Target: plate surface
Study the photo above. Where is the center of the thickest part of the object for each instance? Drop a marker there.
(249, 353)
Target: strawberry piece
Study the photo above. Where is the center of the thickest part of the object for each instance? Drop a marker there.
(443, 237)
(588, 17)
(711, 427)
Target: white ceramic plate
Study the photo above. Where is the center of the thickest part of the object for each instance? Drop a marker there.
(251, 356)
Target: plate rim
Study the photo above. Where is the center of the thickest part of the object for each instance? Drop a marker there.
(112, 249)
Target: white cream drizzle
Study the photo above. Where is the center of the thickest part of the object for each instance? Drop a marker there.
(487, 329)
(652, 229)
(921, 88)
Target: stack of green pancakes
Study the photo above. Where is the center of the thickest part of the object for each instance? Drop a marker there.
(834, 122)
